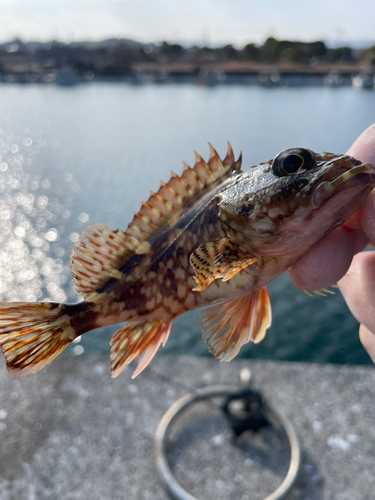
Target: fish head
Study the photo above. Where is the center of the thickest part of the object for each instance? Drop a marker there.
(287, 204)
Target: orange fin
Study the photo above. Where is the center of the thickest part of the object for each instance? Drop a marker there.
(218, 259)
(228, 325)
(317, 292)
(322, 293)
(96, 257)
(32, 335)
(137, 339)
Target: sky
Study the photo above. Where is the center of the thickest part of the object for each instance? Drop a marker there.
(213, 21)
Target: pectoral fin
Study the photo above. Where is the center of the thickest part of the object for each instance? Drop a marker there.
(228, 325)
(218, 259)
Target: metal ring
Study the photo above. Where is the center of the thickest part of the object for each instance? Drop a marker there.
(165, 473)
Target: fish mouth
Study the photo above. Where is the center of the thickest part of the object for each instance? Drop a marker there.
(314, 197)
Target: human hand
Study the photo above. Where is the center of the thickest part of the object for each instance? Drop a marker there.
(331, 259)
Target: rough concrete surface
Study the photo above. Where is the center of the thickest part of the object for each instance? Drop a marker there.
(72, 432)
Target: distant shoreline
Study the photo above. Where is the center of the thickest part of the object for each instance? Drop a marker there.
(275, 62)
(201, 73)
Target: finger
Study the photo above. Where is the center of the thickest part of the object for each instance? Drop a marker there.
(327, 261)
(364, 147)
(364, 150)
(358, 289)
(359, 282)
(367, 339)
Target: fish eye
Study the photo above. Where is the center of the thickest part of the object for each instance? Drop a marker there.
(291, 161)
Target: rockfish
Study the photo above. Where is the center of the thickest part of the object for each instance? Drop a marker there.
(214, 236)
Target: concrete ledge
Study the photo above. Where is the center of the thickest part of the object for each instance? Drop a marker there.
(72, 432)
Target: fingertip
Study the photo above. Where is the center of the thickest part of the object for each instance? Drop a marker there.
(364, 150)
(364, 147)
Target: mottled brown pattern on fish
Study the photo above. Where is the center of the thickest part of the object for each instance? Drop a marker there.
(163, 281)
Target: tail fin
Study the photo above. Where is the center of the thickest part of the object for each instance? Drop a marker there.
(32, 335)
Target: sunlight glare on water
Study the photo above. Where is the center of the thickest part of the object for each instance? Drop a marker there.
(30, 222)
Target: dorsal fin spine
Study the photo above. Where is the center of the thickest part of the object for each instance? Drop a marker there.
(168, 187)
(144, 219)
(238, 163)
(217, 165)
(191, 177)
(145, 205)
(141, 216)
(192, 172)
(133, 241)
(132, 225)
(213, 152)
(159, 198)
(177, 184)
(198, 159)
(229, 158)
(201, 170)
(147, 211)
(156, 212)
(201, 162)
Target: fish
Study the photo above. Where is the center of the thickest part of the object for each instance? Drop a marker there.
(212, 237)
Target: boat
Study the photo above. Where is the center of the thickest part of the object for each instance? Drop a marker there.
(334, 79)
(363, 80)
(66, 77)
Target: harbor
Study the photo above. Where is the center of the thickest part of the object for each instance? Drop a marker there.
(276, 62)
(229, 73)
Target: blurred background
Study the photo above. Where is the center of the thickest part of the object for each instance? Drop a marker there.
(99, 100)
